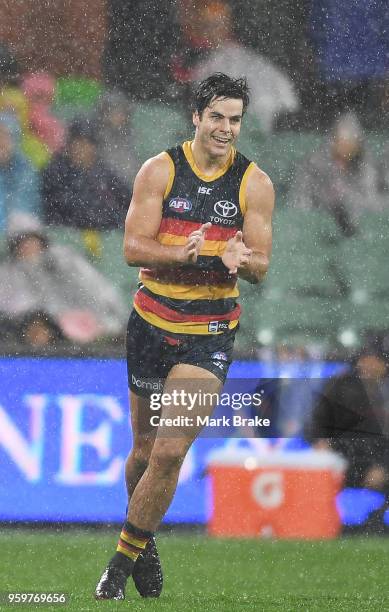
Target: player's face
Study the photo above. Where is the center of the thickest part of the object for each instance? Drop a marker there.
(219, 125)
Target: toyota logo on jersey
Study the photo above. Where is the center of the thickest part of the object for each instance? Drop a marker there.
(225, 209)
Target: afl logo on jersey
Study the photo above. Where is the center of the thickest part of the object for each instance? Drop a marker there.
(225, 209)
(180, 205)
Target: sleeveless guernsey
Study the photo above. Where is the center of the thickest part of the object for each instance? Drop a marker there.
(196, 298)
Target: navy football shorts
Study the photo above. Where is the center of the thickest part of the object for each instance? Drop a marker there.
(152, 352)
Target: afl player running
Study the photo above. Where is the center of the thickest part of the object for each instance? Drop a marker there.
(200, 217)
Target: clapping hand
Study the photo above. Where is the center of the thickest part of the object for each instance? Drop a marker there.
(195, 243)
(236, 253)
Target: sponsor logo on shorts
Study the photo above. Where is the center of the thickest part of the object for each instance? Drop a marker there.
(180, 205)
(149, 384)
(220, 365)
(225, 209)
(219, 356)
(217, 326)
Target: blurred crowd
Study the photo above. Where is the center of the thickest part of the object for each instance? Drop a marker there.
(56, 174)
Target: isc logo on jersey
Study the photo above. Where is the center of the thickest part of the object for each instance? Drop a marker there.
(205, 190)
(180, 205)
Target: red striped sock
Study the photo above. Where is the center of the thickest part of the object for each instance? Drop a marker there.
(132, 542)
(131, 545)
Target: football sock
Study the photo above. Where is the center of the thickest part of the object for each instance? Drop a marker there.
(132, 542)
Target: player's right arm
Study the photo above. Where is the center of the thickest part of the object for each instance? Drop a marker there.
(141, 247)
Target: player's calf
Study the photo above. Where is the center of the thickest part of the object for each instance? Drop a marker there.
(136, 465)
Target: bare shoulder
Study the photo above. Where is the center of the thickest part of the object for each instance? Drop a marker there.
(259, 179)
(260, 190)
(154, 173)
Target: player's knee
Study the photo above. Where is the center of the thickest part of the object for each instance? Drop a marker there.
(140, 456)
(168, 458)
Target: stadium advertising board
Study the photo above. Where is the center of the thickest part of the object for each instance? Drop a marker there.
(64, 437)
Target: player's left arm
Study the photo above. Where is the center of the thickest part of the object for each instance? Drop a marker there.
(257, 226)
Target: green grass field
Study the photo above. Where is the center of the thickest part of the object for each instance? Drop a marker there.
(203, 574)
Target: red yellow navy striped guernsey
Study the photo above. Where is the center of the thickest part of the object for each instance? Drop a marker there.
(196, 298)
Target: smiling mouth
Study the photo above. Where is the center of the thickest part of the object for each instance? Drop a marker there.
(222, 140)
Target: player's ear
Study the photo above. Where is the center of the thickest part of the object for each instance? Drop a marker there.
(196, 118)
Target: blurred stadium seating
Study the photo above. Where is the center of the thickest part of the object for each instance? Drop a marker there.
(366, 278)
(158, 127)
(301, 296)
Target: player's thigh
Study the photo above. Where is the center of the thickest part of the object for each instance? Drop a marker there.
(190, 394)
(147, 368)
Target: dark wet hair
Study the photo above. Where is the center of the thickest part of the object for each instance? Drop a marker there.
(220, 85)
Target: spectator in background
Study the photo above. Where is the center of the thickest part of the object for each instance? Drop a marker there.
(351, 417)
(193, 44)
(19, 181)
(54, 279)
(341, 177)
(39, 89)
(273, 93)
(78, 189)
(38, 330)
(13, 101)
(115, 136)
